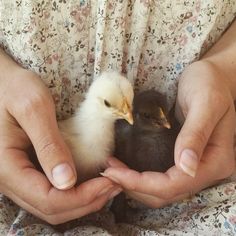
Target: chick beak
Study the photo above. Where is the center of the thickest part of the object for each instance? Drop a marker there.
(165, 122)
(127, 113)
(129, 117)
(167, 125)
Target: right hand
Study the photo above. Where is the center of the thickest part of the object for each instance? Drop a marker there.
(27, 115)
(204, 153)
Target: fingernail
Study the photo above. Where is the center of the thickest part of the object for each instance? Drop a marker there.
(63, 175)
(109, 177)
(189, 162)
(115, 193)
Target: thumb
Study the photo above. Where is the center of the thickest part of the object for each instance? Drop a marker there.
(201, 119)
(35, 113)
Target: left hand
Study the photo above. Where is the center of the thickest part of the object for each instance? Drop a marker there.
(204, 147)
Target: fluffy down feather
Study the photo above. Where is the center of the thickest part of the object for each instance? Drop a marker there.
(90, 133)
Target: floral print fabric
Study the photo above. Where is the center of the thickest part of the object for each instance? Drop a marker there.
(69, 42)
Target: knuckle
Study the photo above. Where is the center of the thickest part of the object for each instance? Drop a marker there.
(46, 146)
(200, 136)
(47, 207)
(47, 210)
(32, 103)
(219, 102)
(86, 198)
(224, 165)
(228, 170)
(168, 195)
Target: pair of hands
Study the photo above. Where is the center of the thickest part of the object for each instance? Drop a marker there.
(204, 148)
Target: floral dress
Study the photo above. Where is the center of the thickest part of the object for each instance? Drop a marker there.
(69, 42)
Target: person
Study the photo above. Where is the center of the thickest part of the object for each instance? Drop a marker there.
(28, 109)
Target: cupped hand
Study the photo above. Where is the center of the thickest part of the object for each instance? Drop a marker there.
(204, 147)
(27, 115)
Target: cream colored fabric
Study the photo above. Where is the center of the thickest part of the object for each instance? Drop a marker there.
(67, 42)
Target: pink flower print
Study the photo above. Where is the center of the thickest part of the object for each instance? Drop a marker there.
(110, 6)
(76, 16)
(183, 40)
(193, 19)
(55, 57)
(46, 15)
(172, 27)
(33, 21)
(49, 60)
(91, 59)
(232, 219)
(85, 11)
(66, 81)
(123, 22)
(73, 13)
(229, 191)
(56, 98)
(29, 29)
(198, 6)
(145, 2)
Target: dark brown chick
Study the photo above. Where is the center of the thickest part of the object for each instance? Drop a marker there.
(148, 145)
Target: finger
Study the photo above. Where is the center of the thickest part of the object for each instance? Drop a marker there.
(175, 182)
(36, 115)
(202, 117)
(62, 217)
(145, 182)
(114, 162)
(156, 202)
(33, 187)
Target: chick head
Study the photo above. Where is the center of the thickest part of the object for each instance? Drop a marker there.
(149, 111)
(114, 96)
(153, 117)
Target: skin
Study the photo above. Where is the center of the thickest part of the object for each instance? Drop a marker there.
(28, 115)
(205, 105)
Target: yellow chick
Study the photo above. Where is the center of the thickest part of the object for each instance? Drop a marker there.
(90, 133)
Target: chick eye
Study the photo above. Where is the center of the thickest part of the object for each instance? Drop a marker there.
(146, 115)
(107, 104)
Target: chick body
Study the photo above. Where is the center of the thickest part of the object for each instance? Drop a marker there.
(148, 145)
(147, 150)
(90, 133)
(90, 139)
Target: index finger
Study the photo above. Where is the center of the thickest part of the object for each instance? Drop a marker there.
(163, 185)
